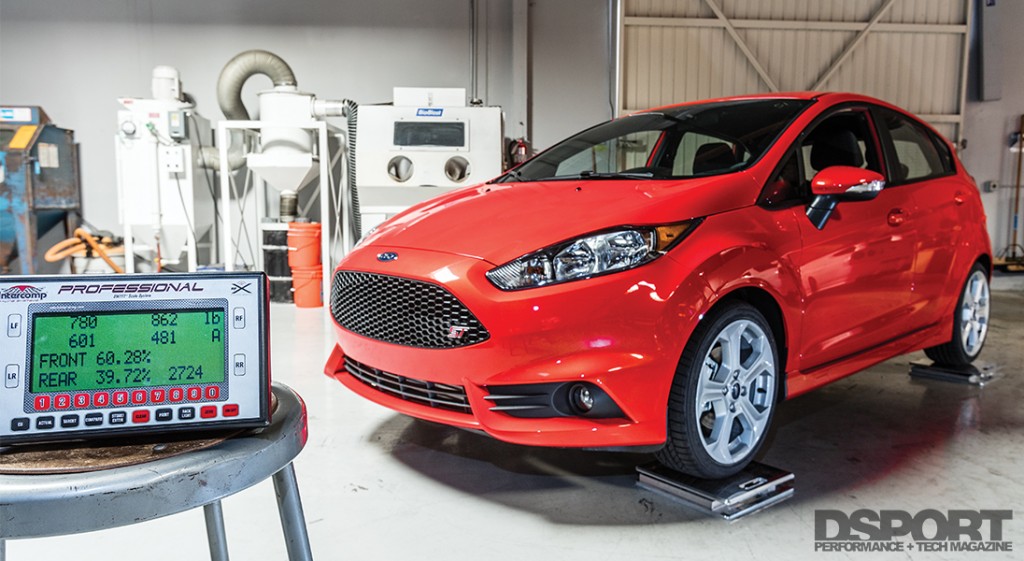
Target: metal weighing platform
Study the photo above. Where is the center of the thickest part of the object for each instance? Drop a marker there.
(35, 506)
(754, 489)
(974, 374)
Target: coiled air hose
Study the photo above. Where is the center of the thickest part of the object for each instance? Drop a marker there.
(83, 241)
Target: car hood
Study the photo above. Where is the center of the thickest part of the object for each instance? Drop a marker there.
(500, 222)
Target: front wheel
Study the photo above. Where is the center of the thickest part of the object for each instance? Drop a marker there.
(723, 395)
(970, 323)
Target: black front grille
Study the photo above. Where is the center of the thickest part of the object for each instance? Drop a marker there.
(441, 396)
(403, 311)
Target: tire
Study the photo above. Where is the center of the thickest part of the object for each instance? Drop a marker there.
(970, 322)
(709, 394)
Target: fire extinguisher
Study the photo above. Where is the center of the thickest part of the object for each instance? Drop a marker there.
(518, 152)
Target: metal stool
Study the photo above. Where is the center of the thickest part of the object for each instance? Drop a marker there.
(33, 506)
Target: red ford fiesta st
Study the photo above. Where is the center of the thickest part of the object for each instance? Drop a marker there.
(664, 279)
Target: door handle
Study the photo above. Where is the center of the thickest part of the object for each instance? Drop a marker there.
(896, 217)
(958, 198)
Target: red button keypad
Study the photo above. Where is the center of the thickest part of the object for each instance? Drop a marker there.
(138, 396)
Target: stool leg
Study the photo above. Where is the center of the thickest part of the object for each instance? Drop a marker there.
(3, 550)
(215, 531)
(293, 521)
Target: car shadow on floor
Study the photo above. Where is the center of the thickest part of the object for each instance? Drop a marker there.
(850, 435)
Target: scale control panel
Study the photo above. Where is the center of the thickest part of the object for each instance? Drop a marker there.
(100, 356)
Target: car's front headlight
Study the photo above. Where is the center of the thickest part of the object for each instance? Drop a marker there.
(591, 255)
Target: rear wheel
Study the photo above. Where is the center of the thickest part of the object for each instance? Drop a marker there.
(970, 323)
(723, 395)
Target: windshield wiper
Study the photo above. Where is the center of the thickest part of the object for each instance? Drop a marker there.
(512, 174)
(587, 174)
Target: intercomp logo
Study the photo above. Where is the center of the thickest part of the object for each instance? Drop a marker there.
(901, 531)
(22, 293)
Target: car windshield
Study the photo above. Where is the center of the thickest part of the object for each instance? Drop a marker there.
(691, 141)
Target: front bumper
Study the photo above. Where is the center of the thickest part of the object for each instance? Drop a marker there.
(622, 332)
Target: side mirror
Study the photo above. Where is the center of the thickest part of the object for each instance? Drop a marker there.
(841, 183)
(847, 183)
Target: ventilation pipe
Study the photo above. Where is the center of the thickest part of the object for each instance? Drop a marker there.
(244, 66)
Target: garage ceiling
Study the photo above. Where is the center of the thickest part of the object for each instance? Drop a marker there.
(909, 52)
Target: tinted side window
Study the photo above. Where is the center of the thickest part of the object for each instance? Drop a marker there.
(844, 138)
(918, 154)
(944, 154)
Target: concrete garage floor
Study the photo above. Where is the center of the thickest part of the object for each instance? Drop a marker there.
(377, 485)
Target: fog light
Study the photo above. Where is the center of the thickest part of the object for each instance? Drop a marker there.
(581, 398)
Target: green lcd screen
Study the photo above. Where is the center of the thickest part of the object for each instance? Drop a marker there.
(102, 351)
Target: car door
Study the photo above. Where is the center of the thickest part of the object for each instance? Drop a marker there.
(856, 270)
(922, 165)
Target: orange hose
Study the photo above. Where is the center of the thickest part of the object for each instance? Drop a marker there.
(64, 249)
(98, 249)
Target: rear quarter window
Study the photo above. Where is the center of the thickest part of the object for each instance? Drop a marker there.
(919, 153)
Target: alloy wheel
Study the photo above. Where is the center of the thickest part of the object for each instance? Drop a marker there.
(735, 392)
(974, 313)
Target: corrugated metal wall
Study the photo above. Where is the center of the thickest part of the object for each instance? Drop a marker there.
(913, 53)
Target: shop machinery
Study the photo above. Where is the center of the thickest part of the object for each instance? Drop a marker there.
(39, 183)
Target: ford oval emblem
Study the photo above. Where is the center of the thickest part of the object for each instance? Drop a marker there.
(387, 256)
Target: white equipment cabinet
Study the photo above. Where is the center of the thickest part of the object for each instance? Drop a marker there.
(427, 143)
(165, 198)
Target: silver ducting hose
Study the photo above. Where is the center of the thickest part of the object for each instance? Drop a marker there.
(351, 114)
(229, 96)
(244, 66)
(350, 111)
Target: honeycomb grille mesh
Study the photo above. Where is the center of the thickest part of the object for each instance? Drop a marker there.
(403, 311)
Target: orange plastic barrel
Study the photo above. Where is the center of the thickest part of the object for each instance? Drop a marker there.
(303, 244)
(306, 286)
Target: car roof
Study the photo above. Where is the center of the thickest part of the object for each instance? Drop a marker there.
(830, 96)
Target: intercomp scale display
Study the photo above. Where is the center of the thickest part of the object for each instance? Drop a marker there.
(92, 356)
